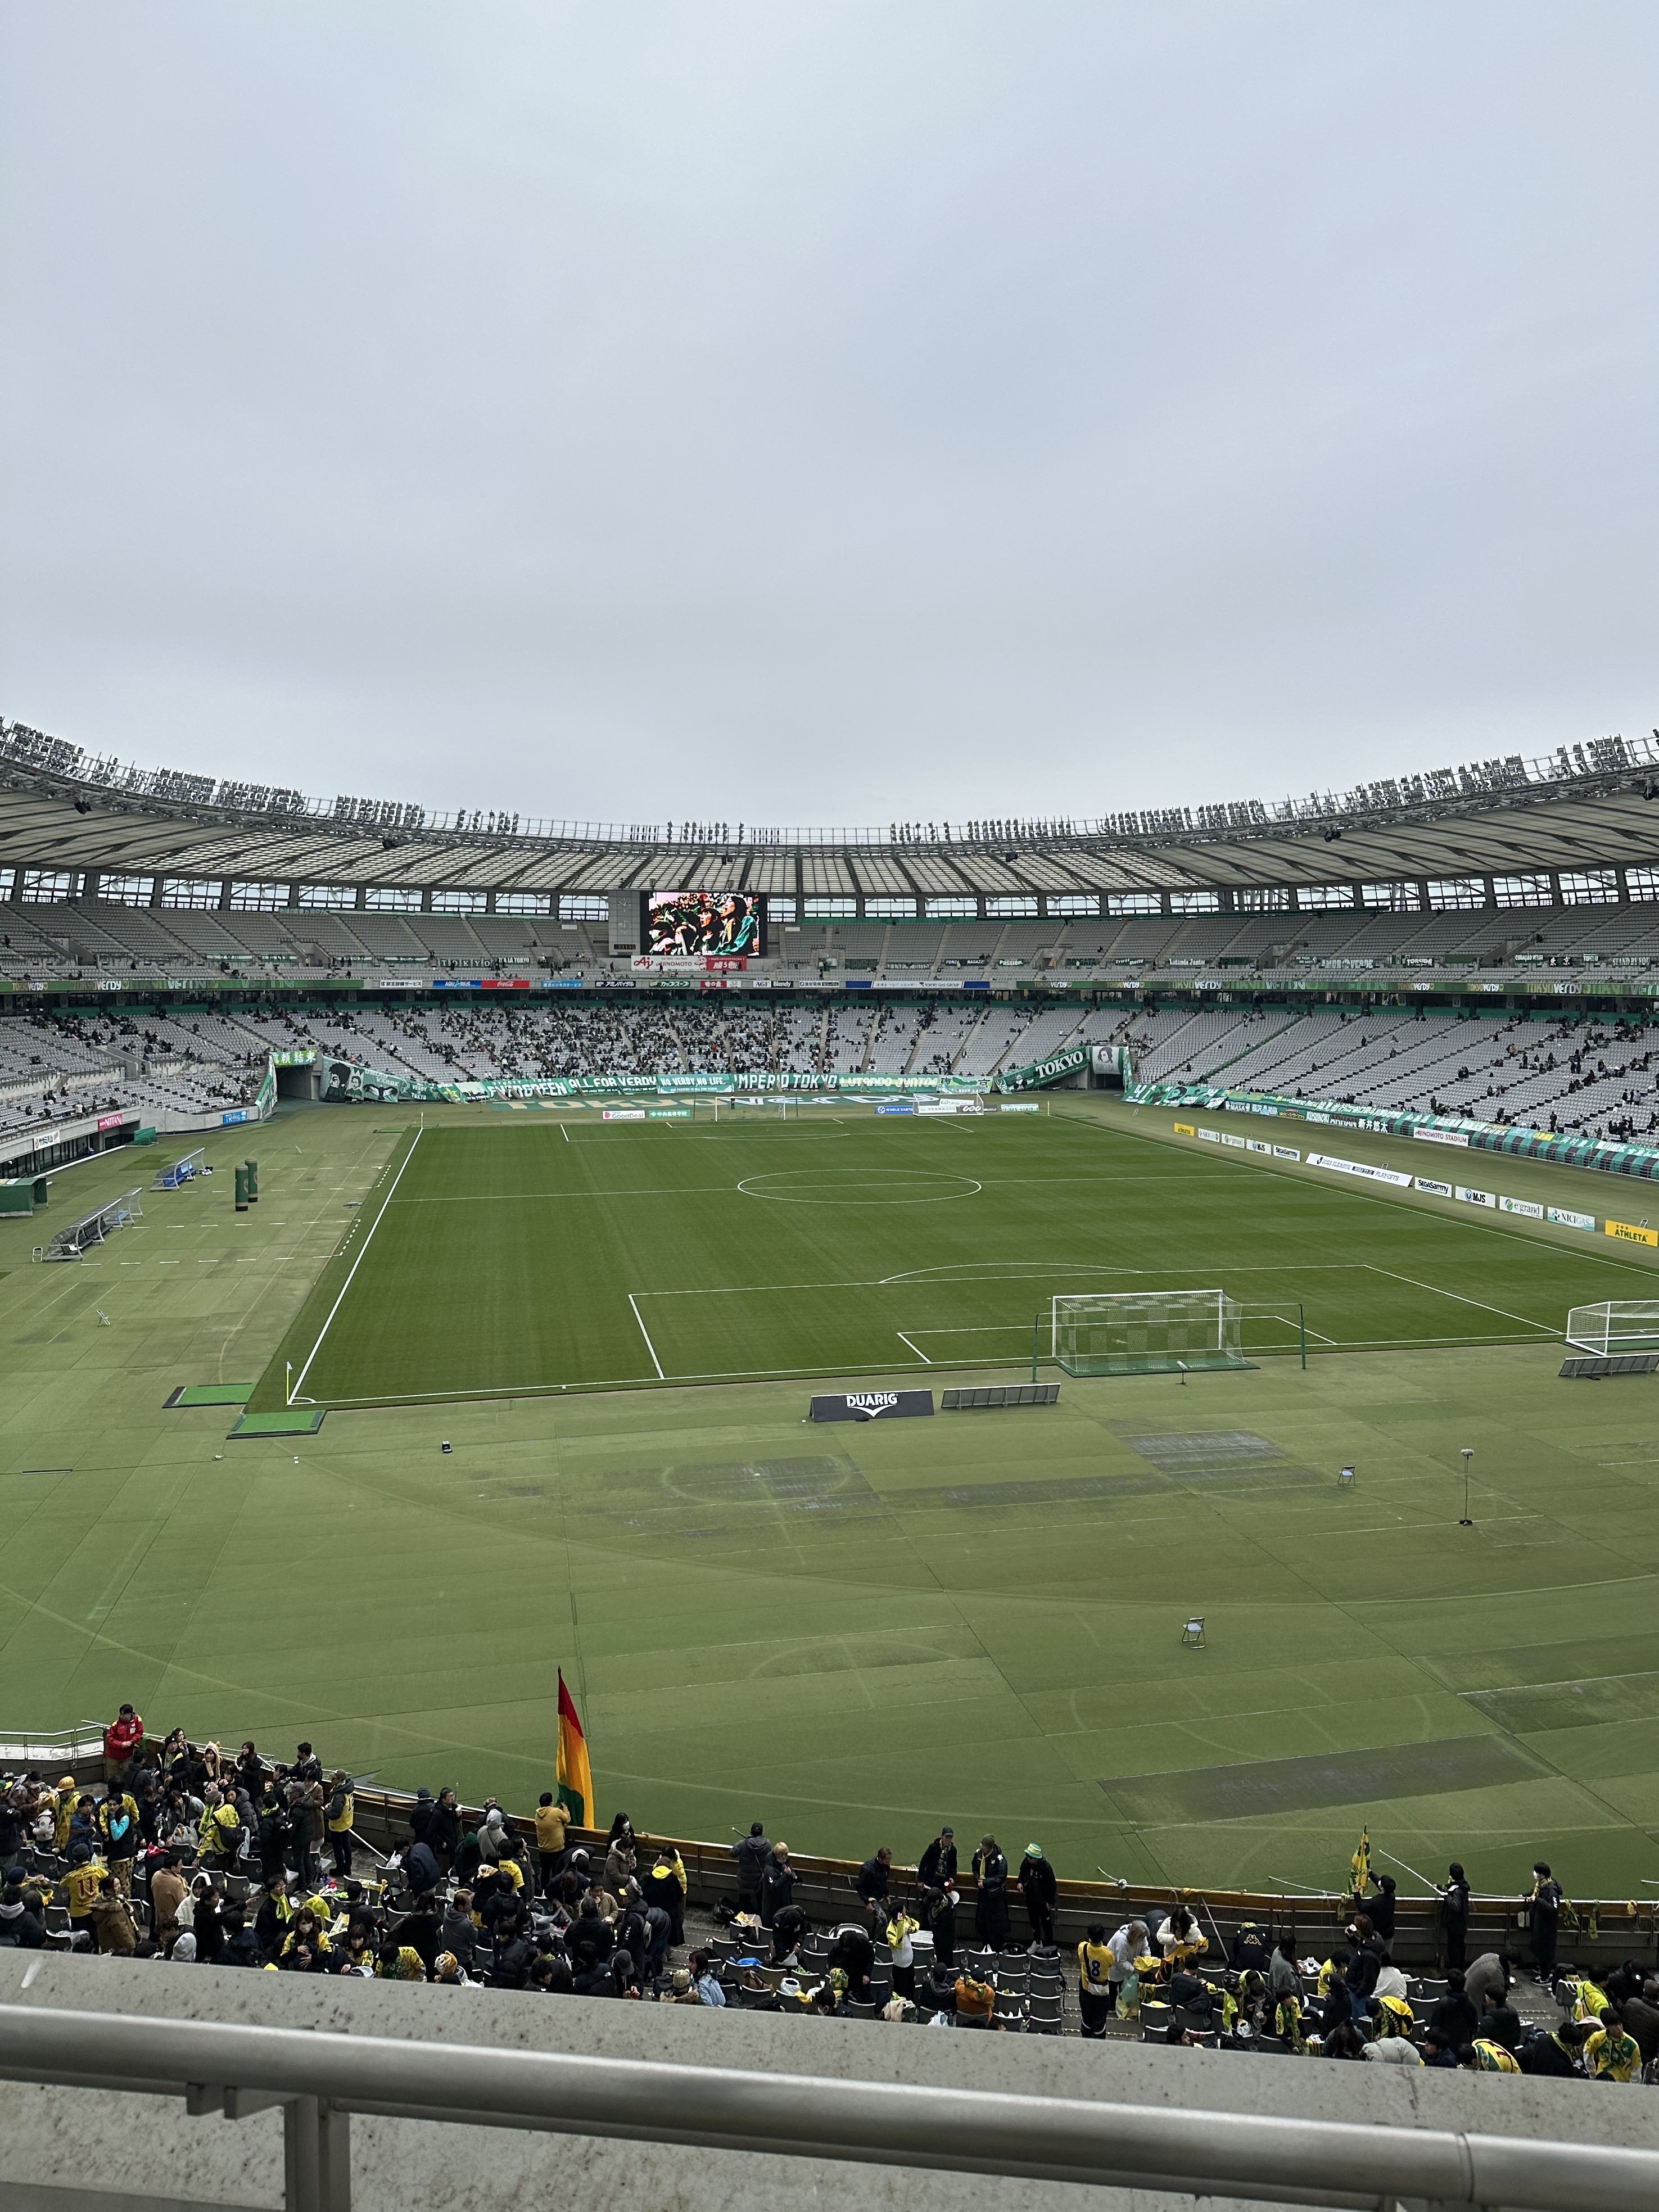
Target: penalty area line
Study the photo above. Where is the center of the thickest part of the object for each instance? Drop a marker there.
(649, 1347)
(916, 1348)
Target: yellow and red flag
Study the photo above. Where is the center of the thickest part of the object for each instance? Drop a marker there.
(575, 1774)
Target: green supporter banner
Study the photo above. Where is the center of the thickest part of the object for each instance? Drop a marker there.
(1609, 1158)
(350, 1080)
(1039, 1073)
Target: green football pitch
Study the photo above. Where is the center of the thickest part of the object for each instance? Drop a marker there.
(852, 1630)
(535, 1255)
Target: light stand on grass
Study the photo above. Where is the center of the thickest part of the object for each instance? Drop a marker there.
(1468, 1451)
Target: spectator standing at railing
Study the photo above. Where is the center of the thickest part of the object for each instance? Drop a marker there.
(1042, 1894)
(751, 1852)
(1545, 1903)
(1455, 1915)
(937, 1869)
(991, 1907)
(871, 1884)
(121, 1741)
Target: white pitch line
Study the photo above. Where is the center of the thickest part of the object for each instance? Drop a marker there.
(649, 1347)
(564, 1131)
(356, 1264)
(916, 1348)
(1504, 1310)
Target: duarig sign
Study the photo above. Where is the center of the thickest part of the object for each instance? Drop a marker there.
(872, 1405)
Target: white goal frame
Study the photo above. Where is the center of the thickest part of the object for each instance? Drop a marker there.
(1143, 1331)
(1614, 1326)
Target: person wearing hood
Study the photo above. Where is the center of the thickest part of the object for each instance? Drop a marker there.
(21, 1929)
(751, 1852)
(182, 1953)
(421, 1869)
(1042, 1894)
(493, 1835)
(241, 1942)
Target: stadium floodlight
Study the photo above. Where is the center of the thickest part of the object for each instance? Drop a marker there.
(1145, 1332)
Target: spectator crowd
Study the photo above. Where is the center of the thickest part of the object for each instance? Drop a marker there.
(190, 1855)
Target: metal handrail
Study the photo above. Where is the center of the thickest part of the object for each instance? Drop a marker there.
(217, 2065)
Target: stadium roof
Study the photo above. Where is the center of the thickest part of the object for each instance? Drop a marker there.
(1586, 806)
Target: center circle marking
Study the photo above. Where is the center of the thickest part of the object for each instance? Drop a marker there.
(883, 1186)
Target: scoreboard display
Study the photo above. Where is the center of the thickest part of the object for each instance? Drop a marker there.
(691, 924)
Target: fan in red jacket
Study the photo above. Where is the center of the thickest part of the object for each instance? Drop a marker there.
(123, 1737)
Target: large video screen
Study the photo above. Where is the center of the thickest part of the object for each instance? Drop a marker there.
(690, 924)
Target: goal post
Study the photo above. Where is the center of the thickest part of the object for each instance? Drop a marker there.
(1145, 1332)
(1617, 1325)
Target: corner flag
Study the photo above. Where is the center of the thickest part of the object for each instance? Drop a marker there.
(575, 1775)
(1360, 1864)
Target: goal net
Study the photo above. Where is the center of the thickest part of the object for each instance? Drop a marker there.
(1615, 1326)
(1145, 1332)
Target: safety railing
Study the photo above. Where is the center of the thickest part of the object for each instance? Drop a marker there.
(321, 2078)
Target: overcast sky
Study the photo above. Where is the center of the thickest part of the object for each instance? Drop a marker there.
(818, 414)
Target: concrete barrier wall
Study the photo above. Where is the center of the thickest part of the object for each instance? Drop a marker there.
(76, 2141)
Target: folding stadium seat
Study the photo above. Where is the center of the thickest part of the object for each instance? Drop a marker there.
(1043, 2015)
(855, 2011)
(1155, 2016)
(1009, 2006)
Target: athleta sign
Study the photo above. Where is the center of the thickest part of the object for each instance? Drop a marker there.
(872, 1405)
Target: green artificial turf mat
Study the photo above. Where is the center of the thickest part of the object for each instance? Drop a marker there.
(296, 1424)
(211, 1393)
(1301, 1785)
